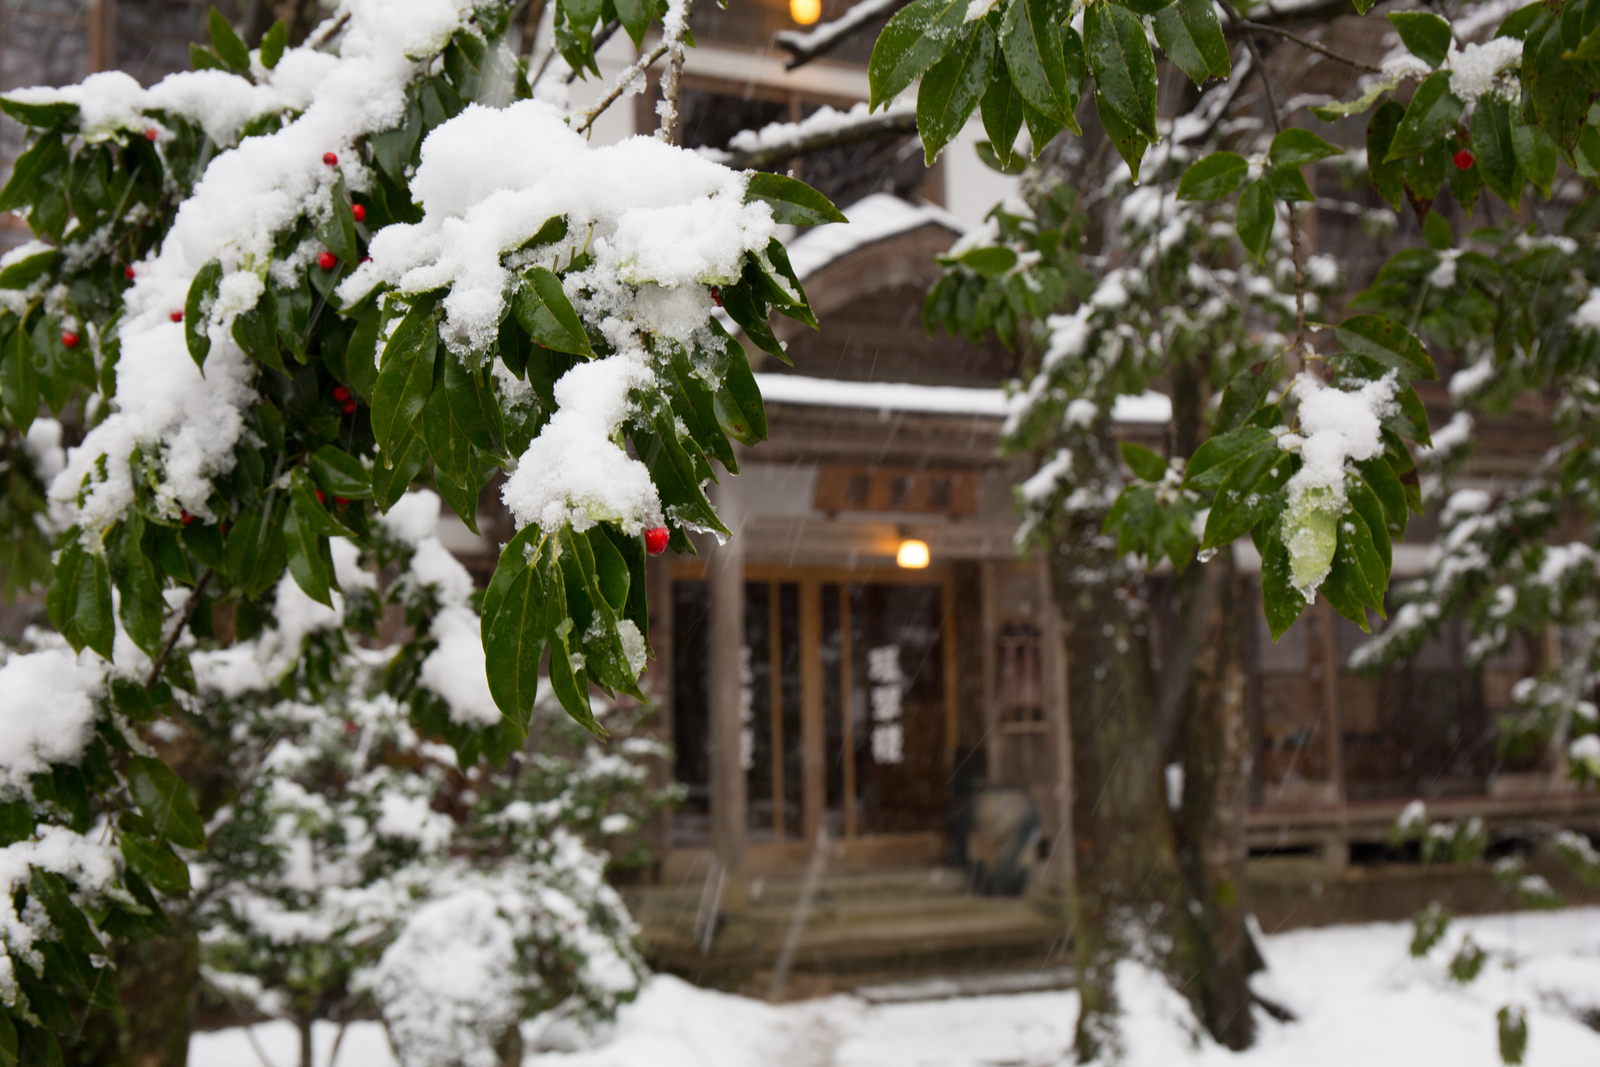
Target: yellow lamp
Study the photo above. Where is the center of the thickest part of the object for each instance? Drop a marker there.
(913, 555)
(805, 12)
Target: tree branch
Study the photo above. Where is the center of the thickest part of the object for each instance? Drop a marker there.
(805, 46)
(894, 123)
(1308, 44)
(674, 25)
(620, 86)
(177, 630)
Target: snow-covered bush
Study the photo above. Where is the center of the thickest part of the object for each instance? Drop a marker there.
(360, 866)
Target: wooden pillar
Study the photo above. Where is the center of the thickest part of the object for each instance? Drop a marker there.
(658, 677)
(813, 737)
(1053, 675)
(989, 627)
(1325, 649)
(725, 582)
(775, 653)
(102, 21)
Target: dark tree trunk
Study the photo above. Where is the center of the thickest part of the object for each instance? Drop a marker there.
(156, 981)
(1130, 900)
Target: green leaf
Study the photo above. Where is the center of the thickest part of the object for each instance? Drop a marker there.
(256, 331)
(391, 479)
(197, 308)
(1191, 36)
(751, 316)
(543, 310)
(227, 44)
(1536, 154)
(740, 410)
(794, 203)
(989, 260)
(1123, 65)
(1129, 142)
(1437, 232)
(1431, 116)
(340, 473)
(952, 87)
(79, 601)
(312, 572)
(1213, 177)
(29, 269)
(1001, 108)
(1388, 178)
(1425, 35)
(34, 169)
(514, 641)
(1032, 41)
(1556, 91)
(1280, 600)
(1251, 497)
(1254, 217)
(142, 607)
(339, 232)
(1295, 147)
(165, 801)
(44, 116)
(1338, 109)
(1389, 343)
(455, 421)
(1495, 149)
(913, 41)
(1518, 22)
(636, 16)
(1288, 184)
(156, 863)
(1146, 463)
(272, 44)
(19, 378)
(203, 58)
(1216, 457)
(405, 377)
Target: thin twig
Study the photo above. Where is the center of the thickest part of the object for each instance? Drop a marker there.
(674, 25)
(325, 33)
(1309, 44)
(177, 629)
(1294, 216)
(618, 87)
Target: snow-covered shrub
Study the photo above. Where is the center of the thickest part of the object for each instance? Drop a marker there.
(361, 865)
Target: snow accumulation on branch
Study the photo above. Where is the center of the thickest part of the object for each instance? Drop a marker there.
(805, 46)
(780, 142)
(1153, 408)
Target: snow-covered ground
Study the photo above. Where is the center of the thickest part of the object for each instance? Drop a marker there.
(1362, 1001)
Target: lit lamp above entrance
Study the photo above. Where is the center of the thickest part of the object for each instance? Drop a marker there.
(913, 555)
(805, 12)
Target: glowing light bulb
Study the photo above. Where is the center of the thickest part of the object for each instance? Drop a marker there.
(913, 555)
(805, 12)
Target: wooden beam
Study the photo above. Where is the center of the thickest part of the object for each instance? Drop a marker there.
(725, 578)
(775, 651)
(813, 735)
(847, 726)
(1058, 713)
(989, 624)
(952, 677)
(658, 679)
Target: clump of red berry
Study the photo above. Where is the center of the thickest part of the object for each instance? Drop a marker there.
(330, 159)
(186, 518)
(341, 394)
(177, 316)
(350, 406)
(655, 540)
(341, 501)
(716, 296)
(69, 339)
(152, 134)
(1465, 159)
(359, 212)
(327, 261)
(128, 273)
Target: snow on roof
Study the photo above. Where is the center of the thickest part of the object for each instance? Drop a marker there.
(871, 219)
(931, 399)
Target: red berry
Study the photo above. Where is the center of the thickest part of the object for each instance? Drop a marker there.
(359, 212)
(127, 272)
(152, 134)
(341, 500)
(1465, 159)
(177, 316)
(330, 159)
(327, 261)
(366, 259)
(655, 541)
(349, 407)
(319, 496)
(69, 339)
(224, 529)
(187, 518)
(350, 727)
(341, 394)
(716, 296)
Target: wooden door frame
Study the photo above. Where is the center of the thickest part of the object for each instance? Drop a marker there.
(813, 733)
